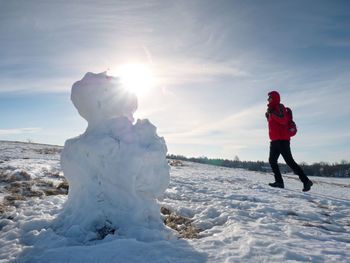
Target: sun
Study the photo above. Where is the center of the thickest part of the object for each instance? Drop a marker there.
(136, 78)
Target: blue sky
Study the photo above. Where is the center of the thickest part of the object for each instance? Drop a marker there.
(214, 62)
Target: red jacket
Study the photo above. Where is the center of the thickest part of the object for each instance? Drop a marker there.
(277, 118)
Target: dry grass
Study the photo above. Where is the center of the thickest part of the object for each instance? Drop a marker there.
(48, 173)
(23, 188)
(33, 193)
(55, 191)
(3, 208)
(20, 190)
(48, 150)
(63, 186)
(181, 224)
(22, 176)
(176, 163)
(55, 175)
(61, 189)
(4, 176)
(10, 200)
(7, 177)
(42, 183)
(17, 187)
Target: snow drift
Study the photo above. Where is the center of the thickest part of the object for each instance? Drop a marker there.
(116, 170)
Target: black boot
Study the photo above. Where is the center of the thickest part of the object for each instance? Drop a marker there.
(277, 184)
(307, 186)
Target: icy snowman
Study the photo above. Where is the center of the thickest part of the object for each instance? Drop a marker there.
(116, 170)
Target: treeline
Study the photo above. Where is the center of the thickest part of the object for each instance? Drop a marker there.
(317, 169)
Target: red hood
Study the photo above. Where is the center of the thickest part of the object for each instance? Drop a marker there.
(276, 99)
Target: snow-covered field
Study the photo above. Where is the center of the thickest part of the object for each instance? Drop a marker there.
(240, 218)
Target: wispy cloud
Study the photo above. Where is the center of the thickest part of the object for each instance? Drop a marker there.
(229, 135)
(5, 132)
(188, 70)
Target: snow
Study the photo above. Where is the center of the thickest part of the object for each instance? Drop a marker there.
(249, 222)
(116, 170)
(98, 97)
(241, 217)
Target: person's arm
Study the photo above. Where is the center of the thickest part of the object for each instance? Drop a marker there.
(267, 113)
(280, 116)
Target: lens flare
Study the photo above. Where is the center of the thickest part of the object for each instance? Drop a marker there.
(136, 78)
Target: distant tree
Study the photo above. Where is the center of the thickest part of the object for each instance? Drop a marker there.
(317, 169)
(344, 162)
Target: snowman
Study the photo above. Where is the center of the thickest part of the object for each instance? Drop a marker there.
(116, 169)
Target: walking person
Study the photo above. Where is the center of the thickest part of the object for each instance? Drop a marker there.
(276, 115)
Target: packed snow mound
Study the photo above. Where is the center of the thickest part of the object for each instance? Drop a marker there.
(116, 170)
(99, 96)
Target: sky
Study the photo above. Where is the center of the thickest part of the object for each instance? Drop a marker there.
(212, 62)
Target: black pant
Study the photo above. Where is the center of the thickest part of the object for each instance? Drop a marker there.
(283, 147)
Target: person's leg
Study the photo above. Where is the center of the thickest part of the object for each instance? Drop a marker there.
(273, 158)
(287, 156)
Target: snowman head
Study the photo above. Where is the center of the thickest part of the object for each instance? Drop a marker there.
(99, 97)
